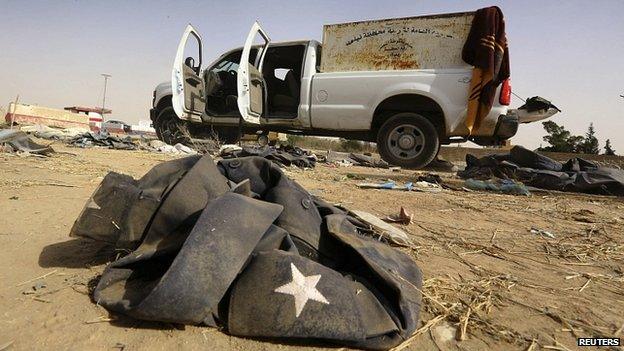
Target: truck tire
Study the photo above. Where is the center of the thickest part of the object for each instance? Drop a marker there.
(169, 127)
(408, 140)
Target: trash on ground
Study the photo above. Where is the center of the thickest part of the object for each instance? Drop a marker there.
(102, 139)
(391, 185)
(387, 231)
(402, 218)
(228, 149)
(46, 132)
(235, 245)
(408, 186)
(343, 159)
(286, 155)
(177, 149)
(18, 141)
(367, 161)
(505, 186)
(542, 232)
(535, 170)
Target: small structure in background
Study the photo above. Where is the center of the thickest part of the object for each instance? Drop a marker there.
(31, 114)
(144, 127)
(116, 126)
(95, 115)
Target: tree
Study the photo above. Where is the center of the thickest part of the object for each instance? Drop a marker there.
(560, 139)
(608, 149)
(590, 143)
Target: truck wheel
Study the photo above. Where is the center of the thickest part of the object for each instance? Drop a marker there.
(408, 140)
(169, 127)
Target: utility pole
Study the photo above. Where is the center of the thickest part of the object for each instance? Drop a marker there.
(106, 76)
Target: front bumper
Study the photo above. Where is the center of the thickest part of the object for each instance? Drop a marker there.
(506, 127)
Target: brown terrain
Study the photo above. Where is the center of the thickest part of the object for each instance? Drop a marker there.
(489, 283)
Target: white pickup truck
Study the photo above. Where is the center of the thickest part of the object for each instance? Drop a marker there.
(400, 83)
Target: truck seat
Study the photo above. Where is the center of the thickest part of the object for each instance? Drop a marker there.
(288, 99)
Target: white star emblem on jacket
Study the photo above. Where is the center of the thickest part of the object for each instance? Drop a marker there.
(302, 288)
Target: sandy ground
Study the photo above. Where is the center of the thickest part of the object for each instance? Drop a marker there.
(488, 279)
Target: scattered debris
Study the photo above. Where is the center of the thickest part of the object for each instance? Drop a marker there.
(367, 161)
(505, 186)
(403, 217)
(408, 186)
(37, 278)
(46, 132)
(535, 170)
(100, 319)
(542, 232)
(391, 233)
(343, 159)
(177, 149)
(102, 139)
(228, 149)
(18, 141)
(286, 155)
(386, 185)
(39, 285)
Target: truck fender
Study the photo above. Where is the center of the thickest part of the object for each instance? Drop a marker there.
(411, 88)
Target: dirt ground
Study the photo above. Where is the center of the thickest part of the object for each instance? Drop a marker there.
(487, 279)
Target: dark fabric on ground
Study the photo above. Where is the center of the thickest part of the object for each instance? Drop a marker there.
(19, 141)
(240, 246)
(102, 138)
(533, 169)
(285, 156)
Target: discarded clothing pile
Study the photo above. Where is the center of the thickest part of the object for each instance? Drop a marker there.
(285, 155)
(535, 170)
(102, 138)
(18, 141)
(241, 246)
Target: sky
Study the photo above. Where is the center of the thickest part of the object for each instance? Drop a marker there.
(53, 52)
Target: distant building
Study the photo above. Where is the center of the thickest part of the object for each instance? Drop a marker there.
(95, 114)
(32, 114)
(144, 127)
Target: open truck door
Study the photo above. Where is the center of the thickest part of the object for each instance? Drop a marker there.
(251, 84)
(187, 86)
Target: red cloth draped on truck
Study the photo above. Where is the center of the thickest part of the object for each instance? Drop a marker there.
(485, 49)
